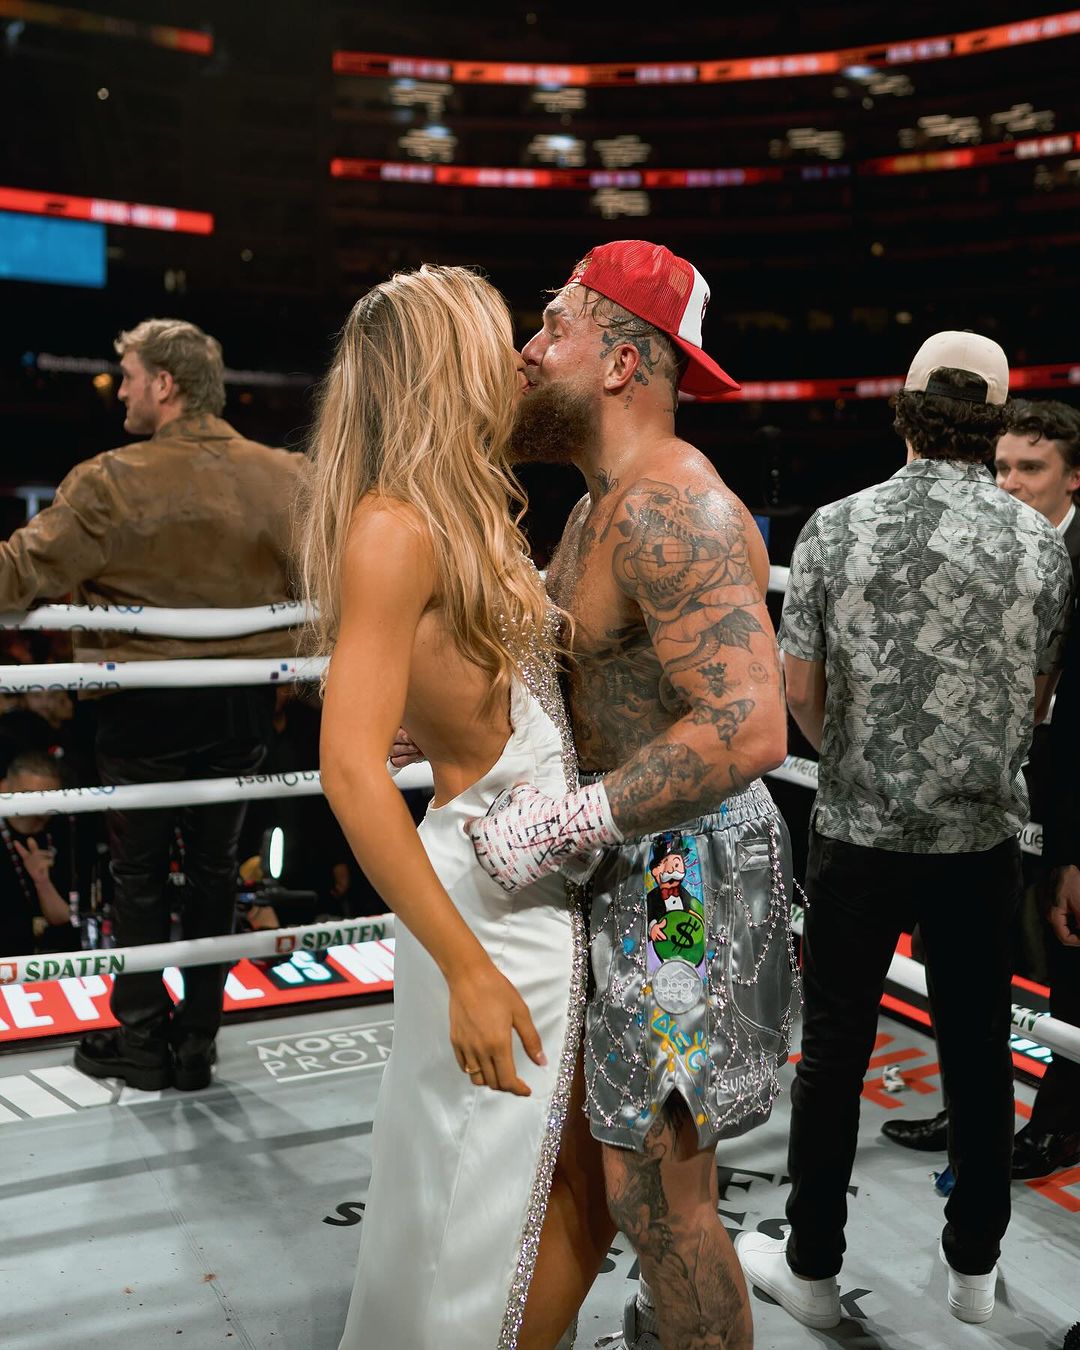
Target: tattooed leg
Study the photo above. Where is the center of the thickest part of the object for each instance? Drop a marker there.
(664, 1200)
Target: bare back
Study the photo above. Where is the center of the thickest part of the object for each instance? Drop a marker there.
(444, 712)
(676, 531)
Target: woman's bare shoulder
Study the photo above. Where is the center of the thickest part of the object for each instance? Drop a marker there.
(388, 540)
(380, 522)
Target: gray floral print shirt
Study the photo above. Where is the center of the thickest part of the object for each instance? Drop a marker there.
(934, 599)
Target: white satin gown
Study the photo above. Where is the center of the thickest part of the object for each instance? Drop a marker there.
(460, 1175)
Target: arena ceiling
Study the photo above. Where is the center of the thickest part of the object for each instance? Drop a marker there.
(841, 206)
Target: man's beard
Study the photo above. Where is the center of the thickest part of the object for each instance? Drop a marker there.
(553, 425)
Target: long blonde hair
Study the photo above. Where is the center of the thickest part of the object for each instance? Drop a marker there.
(417, 407)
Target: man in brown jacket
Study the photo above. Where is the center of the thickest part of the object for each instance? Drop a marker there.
(194, 516)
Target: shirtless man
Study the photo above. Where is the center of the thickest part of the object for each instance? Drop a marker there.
(677, 709)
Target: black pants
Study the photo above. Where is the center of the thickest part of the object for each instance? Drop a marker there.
(1057, 1103)
(861, 899)
(147, 736)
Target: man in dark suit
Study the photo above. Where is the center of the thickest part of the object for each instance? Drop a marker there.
(1051, 1138)
(1038, 460)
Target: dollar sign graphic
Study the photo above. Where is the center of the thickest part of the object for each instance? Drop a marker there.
(685, 934)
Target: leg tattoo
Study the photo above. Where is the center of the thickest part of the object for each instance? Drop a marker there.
(663, 1201)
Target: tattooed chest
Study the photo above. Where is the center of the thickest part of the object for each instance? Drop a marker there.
(620, 698)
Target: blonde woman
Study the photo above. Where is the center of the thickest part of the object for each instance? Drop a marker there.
(484, 1225)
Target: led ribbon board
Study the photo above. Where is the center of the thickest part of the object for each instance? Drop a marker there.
(76, 20)
(589, 180)
(106, 212)
(377, 65)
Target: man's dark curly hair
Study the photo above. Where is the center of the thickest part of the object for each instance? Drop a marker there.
(939, 427)
(1048, 420)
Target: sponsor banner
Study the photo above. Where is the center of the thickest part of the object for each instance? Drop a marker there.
(315, 1054)
(72, 1003)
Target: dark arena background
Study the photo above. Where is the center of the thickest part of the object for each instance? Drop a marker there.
(849, 178)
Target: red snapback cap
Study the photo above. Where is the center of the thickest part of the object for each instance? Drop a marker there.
(666, 291)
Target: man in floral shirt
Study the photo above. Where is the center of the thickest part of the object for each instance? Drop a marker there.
(922, 631)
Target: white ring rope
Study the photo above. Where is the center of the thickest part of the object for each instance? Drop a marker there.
(189, 792)
(303, 783)
(192, 623)
(1060, 1037)
(778, 579)
(106, 677)
(279, 942)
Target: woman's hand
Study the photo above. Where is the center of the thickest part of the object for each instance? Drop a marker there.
(485, 1009)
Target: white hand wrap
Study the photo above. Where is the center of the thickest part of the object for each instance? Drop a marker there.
(525, 834)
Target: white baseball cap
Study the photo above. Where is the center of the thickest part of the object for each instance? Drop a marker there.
(970, 352)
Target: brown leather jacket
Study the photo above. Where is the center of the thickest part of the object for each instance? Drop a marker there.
(194, 517)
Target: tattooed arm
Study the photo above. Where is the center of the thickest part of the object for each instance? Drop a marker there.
(684, 560)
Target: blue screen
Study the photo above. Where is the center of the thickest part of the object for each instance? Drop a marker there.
(40, 248)
(762, 522)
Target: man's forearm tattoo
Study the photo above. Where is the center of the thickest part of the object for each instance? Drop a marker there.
(726, 720)
(666, 778)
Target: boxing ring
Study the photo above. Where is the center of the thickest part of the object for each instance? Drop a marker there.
(229, 1216)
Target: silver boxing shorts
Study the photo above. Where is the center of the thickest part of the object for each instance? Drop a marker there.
(694, 973)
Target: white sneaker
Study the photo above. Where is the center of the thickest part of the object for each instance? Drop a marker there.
(971, 1297)
(814, 1303)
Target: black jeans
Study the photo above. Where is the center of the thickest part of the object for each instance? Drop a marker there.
(151, 736)
(861, 899)
(1057, 1103)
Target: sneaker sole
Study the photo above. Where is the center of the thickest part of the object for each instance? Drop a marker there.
(145, 1080)
(819, 1321)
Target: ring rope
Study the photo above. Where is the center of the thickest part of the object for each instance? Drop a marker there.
(139, 619)
(134, 796)
(305, 782)
(107, 677)
(272, 942)
(1060, 1037)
